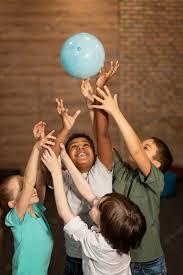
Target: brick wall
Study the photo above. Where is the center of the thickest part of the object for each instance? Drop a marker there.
(151, 86)
(31, 35)
(146, 35)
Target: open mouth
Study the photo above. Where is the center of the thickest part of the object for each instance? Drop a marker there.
(82, 154)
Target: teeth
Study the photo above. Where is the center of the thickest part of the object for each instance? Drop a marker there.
(82, 154)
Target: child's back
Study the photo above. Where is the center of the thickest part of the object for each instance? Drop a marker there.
(98, 257)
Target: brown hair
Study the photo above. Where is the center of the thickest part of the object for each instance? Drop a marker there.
(163, 154)
(5, 197)
(121, 222)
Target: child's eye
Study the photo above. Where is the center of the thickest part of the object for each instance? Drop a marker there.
(86, 145)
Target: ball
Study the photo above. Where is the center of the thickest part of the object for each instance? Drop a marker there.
(82, 55)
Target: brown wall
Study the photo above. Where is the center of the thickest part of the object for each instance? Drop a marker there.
(31, 34)
(151, 44)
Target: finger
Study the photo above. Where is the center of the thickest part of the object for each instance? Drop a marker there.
(116, 98)
(107, 90)
(50, 133)
(46, 146)
(95, 107)
(45, 163)
(57, 101)
(102, 93)
(44, 155)
(76, 114)
(49, 142)
(62, 146)
(98, 99)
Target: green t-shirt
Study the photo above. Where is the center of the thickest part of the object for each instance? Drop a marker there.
(145, 192)
(33, 242)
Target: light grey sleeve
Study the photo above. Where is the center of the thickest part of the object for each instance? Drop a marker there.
(100, 179)
(79, 231)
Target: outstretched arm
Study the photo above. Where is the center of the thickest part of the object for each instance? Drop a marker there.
(67, 121)
(29, 179)
(87, 92)
(53, 165)
(39, 132)
(104, 146)
(133, 143)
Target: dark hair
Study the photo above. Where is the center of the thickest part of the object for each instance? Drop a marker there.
(163, 154)
(122, 223)
(79, 135)
(5, 197)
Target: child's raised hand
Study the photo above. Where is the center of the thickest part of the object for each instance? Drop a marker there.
(50, 160)
(108, 103)
(67, 120)
(87, 91)
(105, 76)
(46, 141)
(39, 130)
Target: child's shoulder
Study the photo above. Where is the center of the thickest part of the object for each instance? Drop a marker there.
(155, 179)
(39, 207)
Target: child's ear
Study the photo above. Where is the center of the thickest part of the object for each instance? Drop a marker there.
(156, 163)
(11, 204)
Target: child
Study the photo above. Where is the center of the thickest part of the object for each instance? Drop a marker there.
(120, 224)
(143, 185)
(32, 236)
(96, 170)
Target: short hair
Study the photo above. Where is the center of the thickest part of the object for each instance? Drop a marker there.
(163, 154)
(122, 223)
(79, 135)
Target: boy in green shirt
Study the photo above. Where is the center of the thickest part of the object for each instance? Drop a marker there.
(142, 185)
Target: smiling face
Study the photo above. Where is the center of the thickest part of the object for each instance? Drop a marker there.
(15, 186)
(81, 153)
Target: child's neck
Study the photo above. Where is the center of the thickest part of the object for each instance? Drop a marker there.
(31, 211)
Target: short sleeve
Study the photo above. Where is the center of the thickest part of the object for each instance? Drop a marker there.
(100, 179)
(101, 168)
(39, 207)
(79, 231)
(12, 218)
(121, 173)
(155, 179)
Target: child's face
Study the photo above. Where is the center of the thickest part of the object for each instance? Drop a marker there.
(15, 186)
(81, 153)
(150, 148)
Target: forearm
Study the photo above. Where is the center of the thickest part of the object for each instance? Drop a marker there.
(131, 139)
(81, 184)
(32, 166)
(61, 137)
(41, 181)
(60, 197)
(104, 146)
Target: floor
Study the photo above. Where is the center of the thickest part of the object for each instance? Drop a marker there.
(171, 220)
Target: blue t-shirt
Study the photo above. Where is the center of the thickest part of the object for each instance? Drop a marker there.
(33, 242)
